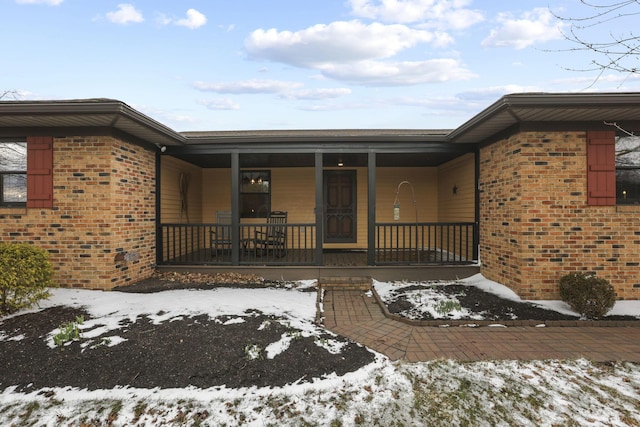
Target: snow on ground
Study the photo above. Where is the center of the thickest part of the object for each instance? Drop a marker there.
(621, 308)
(109, 309)
(441, 306)
(437, 393)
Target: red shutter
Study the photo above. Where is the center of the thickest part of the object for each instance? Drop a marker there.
(601, 168)
(39, 172)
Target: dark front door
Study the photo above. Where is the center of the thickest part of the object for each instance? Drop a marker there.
(340, 206)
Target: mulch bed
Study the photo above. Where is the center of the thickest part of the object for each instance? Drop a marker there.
(194, 351)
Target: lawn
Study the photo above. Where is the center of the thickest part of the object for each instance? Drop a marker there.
(236, 356)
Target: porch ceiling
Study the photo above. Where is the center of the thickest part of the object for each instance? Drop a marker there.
(278, 160)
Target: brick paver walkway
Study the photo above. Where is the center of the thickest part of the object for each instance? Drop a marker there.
(353, 314)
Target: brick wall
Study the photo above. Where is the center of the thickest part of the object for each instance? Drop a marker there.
(101, 231)
(535, 224)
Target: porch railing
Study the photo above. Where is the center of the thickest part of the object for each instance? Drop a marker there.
(396, 244)
(426, 243)
(278, 244)
(263, 244)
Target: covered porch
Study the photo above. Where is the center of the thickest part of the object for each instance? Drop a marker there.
(350, 199)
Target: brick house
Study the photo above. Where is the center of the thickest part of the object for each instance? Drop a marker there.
(529, 189)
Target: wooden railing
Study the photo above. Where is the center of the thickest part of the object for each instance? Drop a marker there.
(425, 243)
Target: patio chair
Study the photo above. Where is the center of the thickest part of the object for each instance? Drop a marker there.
(220, 234)
(273, 239)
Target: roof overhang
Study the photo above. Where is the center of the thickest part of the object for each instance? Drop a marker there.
(328, 136)
(544, 110)
(85, 114)
(550, 109)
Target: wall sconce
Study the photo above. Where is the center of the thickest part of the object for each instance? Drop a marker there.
(340, 163)
(455, 189)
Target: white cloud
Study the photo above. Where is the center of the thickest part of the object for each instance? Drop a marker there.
(193, 20)
(336, 107)
(228, 28)
(377, 73)
(599, 83)
(339, 42)
(49, 2)
(125, 14)
(284, 89)
(220, 104)
(163, 19)
(490, 94)
(252, 86)
(316, 94)
(449, 14)
(606, 78)
(354, 52)
(169, 117)
(536, 26)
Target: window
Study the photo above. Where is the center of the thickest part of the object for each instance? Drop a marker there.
(13, 173)
(255, 194)
(628, 170)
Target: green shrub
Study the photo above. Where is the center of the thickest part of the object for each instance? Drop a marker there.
(587, 294)
(25, 276)
(68, 332)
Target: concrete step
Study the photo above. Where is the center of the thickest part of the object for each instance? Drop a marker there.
(360, 283)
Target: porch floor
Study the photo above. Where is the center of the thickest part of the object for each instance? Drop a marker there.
(331, 258)
(336, 264)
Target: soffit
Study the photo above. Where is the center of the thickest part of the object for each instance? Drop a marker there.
(548, 108)
(349, 160)
(85, 114)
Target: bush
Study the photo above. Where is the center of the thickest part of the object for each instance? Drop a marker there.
(587, 294)
(25, 275)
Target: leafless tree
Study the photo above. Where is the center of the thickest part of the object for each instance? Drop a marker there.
(9, 94)
(620, 50)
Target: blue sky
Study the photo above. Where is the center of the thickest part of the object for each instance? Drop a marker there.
(296, 64)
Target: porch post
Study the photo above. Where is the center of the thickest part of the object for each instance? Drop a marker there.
(476, 231)
(159, 236)
(319, 207)
(371, 208)
(235, 208)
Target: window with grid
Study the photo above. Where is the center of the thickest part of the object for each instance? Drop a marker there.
(628, 170)
(255, 194)
(13, 173)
